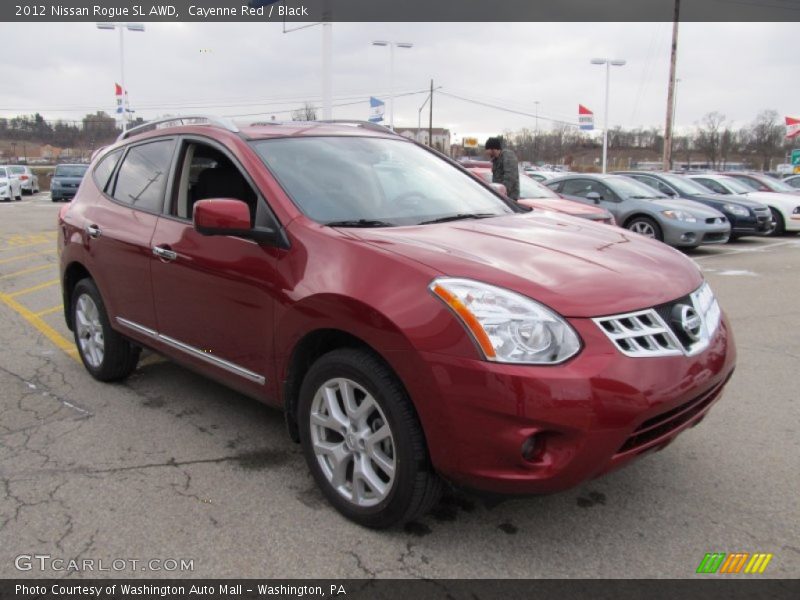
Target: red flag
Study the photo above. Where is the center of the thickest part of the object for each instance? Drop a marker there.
(117, 89)
(792, 127)
(582, 110)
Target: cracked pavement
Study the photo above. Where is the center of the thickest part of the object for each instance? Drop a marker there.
(172, 465)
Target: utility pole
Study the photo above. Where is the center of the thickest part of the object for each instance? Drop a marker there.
(430, 118)
(671, 93)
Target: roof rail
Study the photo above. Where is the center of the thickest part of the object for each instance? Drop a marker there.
(179, 120)
(365, 124)
(354, 122)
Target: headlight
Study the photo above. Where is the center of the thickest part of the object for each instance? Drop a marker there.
(706, 304)
(796, 210)
(507, 326)
(735, 209)
(679, 215)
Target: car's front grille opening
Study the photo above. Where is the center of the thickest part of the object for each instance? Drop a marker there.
(639, 334)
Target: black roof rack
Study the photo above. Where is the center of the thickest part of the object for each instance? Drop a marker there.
(179, 120)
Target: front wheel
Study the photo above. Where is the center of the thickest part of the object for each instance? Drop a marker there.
(647, 227)
(105, 353)
(778, 224)
(363, 442)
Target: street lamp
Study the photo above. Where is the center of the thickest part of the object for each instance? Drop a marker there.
(122, 27)
(608, 63)
(392, 46)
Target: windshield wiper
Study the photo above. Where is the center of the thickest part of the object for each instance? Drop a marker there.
(459, 217)
(359, 223)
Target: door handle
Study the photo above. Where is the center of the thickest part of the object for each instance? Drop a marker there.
(93, 231)
(164, 253)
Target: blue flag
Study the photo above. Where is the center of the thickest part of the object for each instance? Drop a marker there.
(376, 109)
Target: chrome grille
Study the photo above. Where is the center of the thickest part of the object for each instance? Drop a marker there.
(651, 332)
(641, 333)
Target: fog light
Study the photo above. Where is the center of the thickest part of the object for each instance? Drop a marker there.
(533, 447)
(687, 237)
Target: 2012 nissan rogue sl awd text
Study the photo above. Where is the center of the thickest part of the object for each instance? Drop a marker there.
(414, 325)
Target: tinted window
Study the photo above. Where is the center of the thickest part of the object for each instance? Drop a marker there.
(17, 169)
(104, 169)
(577, 187)
(3, 173)
(142, 178)
(70, 170)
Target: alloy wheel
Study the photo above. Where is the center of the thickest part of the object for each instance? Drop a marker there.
(352, 442)
(90, 331)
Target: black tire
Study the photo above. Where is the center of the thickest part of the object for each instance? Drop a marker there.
(780, 225)
(647, 221)
(415, 488)
(120, 356)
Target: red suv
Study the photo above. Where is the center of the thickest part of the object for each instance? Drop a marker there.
(414, 325)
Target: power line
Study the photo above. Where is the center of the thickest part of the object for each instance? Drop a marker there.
(509, 110)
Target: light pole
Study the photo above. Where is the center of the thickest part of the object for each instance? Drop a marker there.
(392, 46)
(608, 63)
(672, 124)
(122, 27)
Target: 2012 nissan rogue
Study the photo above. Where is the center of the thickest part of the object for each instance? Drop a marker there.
(415, 326)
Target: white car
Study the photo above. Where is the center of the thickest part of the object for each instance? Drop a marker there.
(793, 181)
(10, 186)
(785, 208)
(29, 181)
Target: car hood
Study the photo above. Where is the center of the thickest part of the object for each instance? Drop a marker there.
(563, 205)
(774, 199)
(578, 268)
(721, 199)
(697, 209)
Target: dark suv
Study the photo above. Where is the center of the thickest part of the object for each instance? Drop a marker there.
(414, 325)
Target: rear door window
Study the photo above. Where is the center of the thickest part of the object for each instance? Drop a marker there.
(142, 177)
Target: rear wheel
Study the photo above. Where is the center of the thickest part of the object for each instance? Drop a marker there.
(105, 353)
(363, 442)
(778, 224)
(647, 227)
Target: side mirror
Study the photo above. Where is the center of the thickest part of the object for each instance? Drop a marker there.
(594, 197)
(499, 187)
(670, 193)
(221, 216)
(228, 216)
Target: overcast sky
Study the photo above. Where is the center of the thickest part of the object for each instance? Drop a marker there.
(64, 70)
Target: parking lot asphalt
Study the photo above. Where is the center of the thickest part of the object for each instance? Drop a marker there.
(169, 465)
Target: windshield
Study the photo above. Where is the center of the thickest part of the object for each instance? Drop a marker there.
(16, 169)
(3, 174)
(684, 185)
(773, 184)
(734, 184)
(529, 188)
(70, 170)
(374, 182)
(630, 188)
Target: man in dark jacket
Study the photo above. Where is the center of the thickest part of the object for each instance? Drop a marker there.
(504, 167)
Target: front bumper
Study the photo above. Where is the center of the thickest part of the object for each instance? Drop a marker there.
(681, 233)
(593, 414)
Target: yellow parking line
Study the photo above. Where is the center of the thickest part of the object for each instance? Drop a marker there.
(35, 288)
(49, 311)
(45, 329)
(22, 256)
(26, 271)
(15, 246)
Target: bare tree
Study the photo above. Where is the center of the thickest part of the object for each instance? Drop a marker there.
(307, 113)
(709, 136)
(766, 137)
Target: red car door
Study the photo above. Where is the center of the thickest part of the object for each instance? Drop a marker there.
(214, 294)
